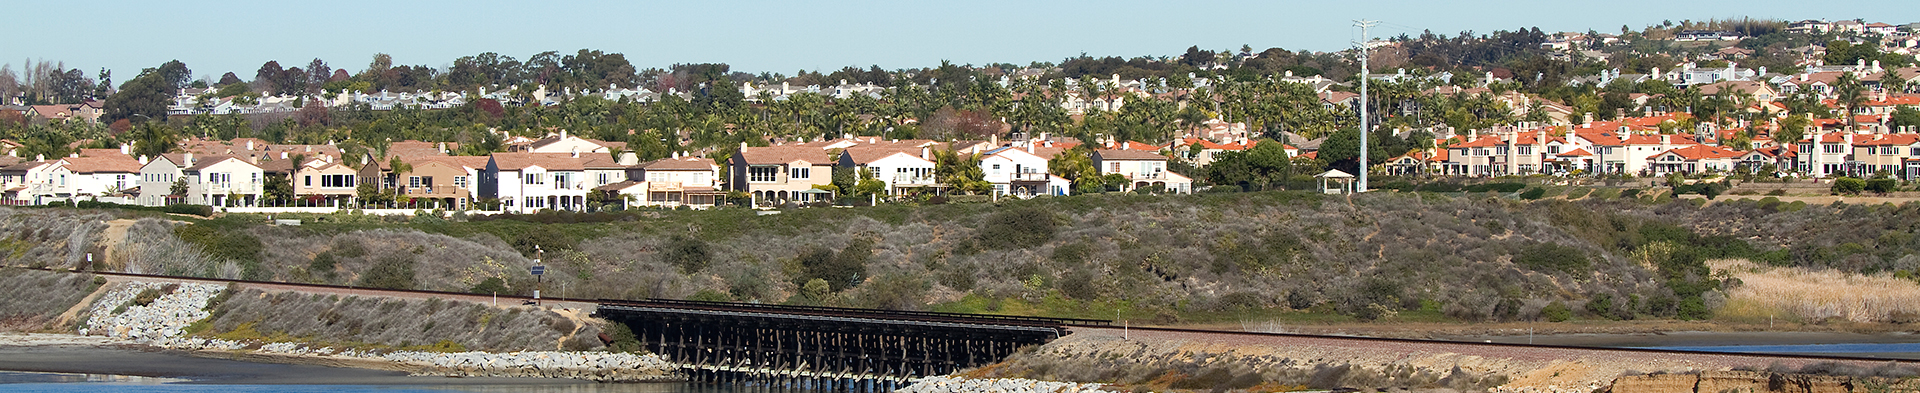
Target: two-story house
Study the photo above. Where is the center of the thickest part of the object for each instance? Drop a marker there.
(897, 168)
(780, 173)
(530, 182)
(1896, 154)
(441, 182)
(1825, 154)
(223, 181)
(1142, 169)
(33, 182)
(105, 178)
(671, 182)
(324, 181)
(1018, 171)
(1693, 159)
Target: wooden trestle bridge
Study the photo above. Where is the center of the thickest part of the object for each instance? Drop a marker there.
(825, 348)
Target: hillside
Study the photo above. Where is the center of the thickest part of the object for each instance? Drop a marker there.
(1162, 259)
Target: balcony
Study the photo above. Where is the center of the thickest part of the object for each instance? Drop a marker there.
(665, 186)
(1150, 176)
(1029, 176)
(911, 179)
(230, 188)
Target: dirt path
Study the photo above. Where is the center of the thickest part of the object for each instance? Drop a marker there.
(74, 312)
(110, 241)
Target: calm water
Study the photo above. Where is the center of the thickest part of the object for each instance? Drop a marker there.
(1886, 350)
(65, 383)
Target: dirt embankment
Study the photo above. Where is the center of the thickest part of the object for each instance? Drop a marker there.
(1160, 360)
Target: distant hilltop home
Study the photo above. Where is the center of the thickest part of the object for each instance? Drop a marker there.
(1705, 35)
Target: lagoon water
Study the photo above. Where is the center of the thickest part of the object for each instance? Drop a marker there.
(1871, 350)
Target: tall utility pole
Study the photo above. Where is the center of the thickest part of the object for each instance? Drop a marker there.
(1366, 43)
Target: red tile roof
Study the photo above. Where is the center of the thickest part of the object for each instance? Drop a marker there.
(1703, 152)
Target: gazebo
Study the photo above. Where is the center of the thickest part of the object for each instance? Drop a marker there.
(1335, 182)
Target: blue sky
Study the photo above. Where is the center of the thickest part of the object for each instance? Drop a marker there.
(214, 37)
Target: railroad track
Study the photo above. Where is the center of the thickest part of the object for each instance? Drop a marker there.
(925, 316)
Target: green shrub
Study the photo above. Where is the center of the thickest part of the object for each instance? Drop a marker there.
(1533, 193)
(1023, 227)
(1848, 186)
(1778, 192)
(391, 272)
(1556, 312)
(1550, 257)
(1438, 187)
(1882, 186)
(689, 254)
(1600, 305)
(198, 210)
(1630, 193)
(491, 285)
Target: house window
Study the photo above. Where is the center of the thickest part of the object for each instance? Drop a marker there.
(221, 178)
(336, 181)
(1526, 149)
(460, 181)
(1915, 152)
(657, 176)
(1113, 168)
(309, 180)
(996, 169)
(1835, 149)
(763, 174)
(533, 178)
(1554, 149)
(604, 178)
(562, 179)
(800, 173)
(413, 181)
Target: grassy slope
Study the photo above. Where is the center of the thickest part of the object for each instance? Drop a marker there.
(1182, 259)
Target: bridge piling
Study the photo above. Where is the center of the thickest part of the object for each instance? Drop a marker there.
(773, 348)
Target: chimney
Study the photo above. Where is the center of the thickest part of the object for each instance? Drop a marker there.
(926, 153)
(249, 144)
(40, 157)
(576, 152)
(563, 134)
(309, 148)
(283, 156)
(1029, 148)
(993, 140)
(1665, 140)
(443, 148)
(1586, 121)
(143, 160)
(125, 149)
(743, 145)
(187, 159)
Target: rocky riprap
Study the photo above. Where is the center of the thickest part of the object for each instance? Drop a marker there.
(947, 384)
(163, 323)
(167, 316)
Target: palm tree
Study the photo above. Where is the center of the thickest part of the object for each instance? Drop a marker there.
(1848, 92)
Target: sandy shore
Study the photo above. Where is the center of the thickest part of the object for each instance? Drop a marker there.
(58, 353)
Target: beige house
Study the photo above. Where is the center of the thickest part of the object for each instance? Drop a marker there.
(324, 180)
(1142, 169)
(434, 183)
(1897, 154)
(671, 182)
(780, 173)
